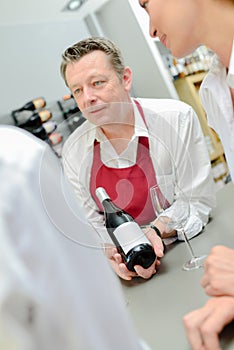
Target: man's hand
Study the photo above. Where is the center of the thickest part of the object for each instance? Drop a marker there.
(166, 232)
(121, 269)
(218, 278)
(204, 325)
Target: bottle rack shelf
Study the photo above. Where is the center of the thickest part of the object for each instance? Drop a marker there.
(188, 91)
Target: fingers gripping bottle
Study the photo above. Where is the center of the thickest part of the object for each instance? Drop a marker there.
(126, 234)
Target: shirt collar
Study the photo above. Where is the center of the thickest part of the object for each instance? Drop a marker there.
(139, 130)
(140, 127)
(99, 135)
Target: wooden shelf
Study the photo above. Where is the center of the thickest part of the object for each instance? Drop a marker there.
(188, 91)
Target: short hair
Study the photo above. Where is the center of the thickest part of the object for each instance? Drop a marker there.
(84, 47)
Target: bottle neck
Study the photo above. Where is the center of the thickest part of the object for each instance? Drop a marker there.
(101, 194)
(27, 107)
(109, 206)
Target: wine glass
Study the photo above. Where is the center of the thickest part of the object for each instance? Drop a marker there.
(174, 216)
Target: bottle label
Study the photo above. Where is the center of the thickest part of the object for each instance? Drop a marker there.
(130, 235)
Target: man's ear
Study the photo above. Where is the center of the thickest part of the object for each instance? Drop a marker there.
(127, 78)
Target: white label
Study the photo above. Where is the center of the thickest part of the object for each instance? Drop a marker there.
(130, 235)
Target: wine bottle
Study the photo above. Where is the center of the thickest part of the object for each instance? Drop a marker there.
(50, 127)
(67, 97)
(40, 133)
(36, 119)
(55, 138)
(126, 234)
(32, 105)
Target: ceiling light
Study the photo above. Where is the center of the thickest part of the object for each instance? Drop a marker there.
(74, 5)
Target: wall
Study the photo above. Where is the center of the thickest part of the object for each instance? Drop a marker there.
(125, 22)
(30, 60)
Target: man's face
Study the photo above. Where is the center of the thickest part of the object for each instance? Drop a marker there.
(95, 86)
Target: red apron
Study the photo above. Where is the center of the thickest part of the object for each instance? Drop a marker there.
(128, 187)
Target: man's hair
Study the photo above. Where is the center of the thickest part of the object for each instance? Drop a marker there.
(84, 47)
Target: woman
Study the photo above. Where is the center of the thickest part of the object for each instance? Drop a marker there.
(182, 26)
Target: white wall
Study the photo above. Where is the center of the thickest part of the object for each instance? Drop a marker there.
(126, 24)
(30, 60)
(31, 50)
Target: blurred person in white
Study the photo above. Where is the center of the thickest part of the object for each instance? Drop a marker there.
(128, 145)
(182, 26)
(57, 290)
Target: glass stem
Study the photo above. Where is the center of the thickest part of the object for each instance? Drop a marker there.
(188, 244)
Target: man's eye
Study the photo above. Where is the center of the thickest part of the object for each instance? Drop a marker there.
(97, 83)
(77, 91)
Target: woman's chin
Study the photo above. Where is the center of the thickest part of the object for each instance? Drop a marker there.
(180, 52)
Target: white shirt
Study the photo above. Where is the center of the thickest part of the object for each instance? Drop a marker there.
(230, 76)
(177, 149)
(216, 98)
(52, 295)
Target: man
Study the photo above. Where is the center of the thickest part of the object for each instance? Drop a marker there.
(127, 146)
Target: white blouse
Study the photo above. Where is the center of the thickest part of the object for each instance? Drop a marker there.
(216, 98)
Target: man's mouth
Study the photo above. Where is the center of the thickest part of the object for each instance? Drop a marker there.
(95, 109)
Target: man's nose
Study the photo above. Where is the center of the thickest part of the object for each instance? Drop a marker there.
(89, 95)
